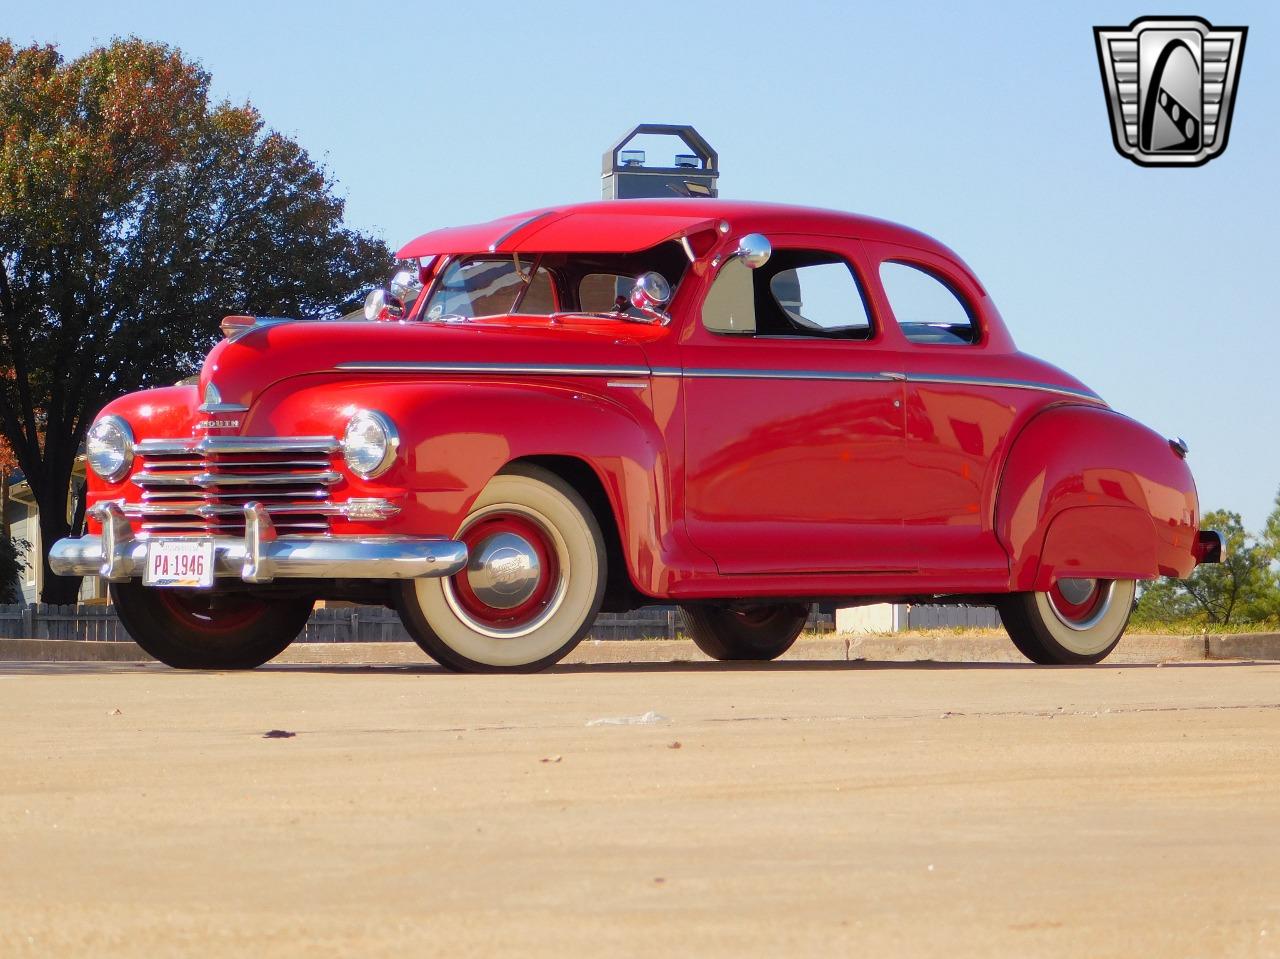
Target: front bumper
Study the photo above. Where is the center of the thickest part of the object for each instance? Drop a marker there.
(262, 556)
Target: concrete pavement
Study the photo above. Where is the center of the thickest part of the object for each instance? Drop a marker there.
(987, 646)
(801, 808)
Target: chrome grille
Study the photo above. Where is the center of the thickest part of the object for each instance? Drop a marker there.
(202, 487)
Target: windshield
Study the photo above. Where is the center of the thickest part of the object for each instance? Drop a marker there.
(595, 283)
(479, 286)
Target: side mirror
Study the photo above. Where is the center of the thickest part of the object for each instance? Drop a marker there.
(650, 294)
(402, 284)
(754, 250)
(382, 304)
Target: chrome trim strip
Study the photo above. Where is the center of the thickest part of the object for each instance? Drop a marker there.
(782, 375)
(543, 369)
(240, 444)
(551, 369)
(206, 480)
(222, 408)
(949, 380)
(152, 495)
(369, 508)
(493, 247)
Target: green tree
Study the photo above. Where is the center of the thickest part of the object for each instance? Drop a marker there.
(1271, 532)
(134, 214)
(1238, 589)
(1271, 542)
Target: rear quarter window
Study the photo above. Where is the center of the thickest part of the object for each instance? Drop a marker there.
(927, 308)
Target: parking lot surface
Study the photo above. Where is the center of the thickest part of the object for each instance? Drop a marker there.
(802, 808)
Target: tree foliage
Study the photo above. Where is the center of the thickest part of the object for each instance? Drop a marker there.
(134, 214)
(1243, 588)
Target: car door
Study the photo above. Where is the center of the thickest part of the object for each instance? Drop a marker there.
(959, 417)
(794, 424)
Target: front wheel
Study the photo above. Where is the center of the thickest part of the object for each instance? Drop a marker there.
(532, 587)
(1076, 622)
(187, 629)
(747, 632)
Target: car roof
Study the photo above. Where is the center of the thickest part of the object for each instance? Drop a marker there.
(627, 226)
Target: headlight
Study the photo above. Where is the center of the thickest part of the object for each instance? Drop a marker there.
(370, 443)
(109, 448)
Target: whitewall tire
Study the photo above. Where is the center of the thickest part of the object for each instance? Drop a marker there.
(533, 585)
(1075, 622)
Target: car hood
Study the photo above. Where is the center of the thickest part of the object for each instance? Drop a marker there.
(247, 364)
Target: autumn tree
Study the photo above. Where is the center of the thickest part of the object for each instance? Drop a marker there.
(134, 214)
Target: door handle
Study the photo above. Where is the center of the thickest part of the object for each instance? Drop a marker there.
(899, 377)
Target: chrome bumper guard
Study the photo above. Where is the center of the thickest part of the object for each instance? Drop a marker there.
(262, 556)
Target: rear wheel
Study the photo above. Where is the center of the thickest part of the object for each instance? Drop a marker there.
(1075, 622)
(195, 630)
(747, 632)
(533, 584)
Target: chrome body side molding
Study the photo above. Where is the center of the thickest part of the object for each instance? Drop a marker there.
(554, 369)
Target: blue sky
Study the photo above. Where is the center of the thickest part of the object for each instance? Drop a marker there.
(982, 124)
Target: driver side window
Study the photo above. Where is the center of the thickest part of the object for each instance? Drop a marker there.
(797, 293)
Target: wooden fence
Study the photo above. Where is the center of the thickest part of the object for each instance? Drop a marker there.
(376, 624)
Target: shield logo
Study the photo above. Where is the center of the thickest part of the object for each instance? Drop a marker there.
(1170, 84)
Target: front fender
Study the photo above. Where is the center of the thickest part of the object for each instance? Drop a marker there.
(455, 435)
(1088, 492)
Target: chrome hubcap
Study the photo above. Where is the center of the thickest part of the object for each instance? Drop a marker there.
(1077, 591)
(504, 571)
(1088, 600)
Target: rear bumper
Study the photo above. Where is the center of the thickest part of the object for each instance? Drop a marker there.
(1210, 547)
(262, 556)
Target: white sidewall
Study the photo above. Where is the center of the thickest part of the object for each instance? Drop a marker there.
(1099, 636)
(572, 528)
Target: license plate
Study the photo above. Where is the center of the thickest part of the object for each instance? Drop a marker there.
(183, 563)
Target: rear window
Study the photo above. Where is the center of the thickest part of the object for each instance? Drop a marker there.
(927, 309)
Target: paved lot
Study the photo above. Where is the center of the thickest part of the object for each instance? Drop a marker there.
(811, 808)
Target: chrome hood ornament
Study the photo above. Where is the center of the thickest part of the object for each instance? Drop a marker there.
(213, 402)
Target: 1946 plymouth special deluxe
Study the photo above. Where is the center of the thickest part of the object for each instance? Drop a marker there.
(740, 408)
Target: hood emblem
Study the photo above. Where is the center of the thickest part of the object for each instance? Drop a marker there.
(213, 402)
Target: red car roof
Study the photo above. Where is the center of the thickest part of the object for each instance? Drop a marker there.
(627, 226)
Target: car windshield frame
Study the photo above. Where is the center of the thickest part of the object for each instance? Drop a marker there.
(565, 270)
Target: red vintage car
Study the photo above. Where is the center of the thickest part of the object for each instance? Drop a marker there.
(740, 408)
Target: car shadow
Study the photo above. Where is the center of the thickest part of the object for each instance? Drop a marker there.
(27, 668)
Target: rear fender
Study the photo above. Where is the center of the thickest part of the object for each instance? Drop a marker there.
(1086, 492)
